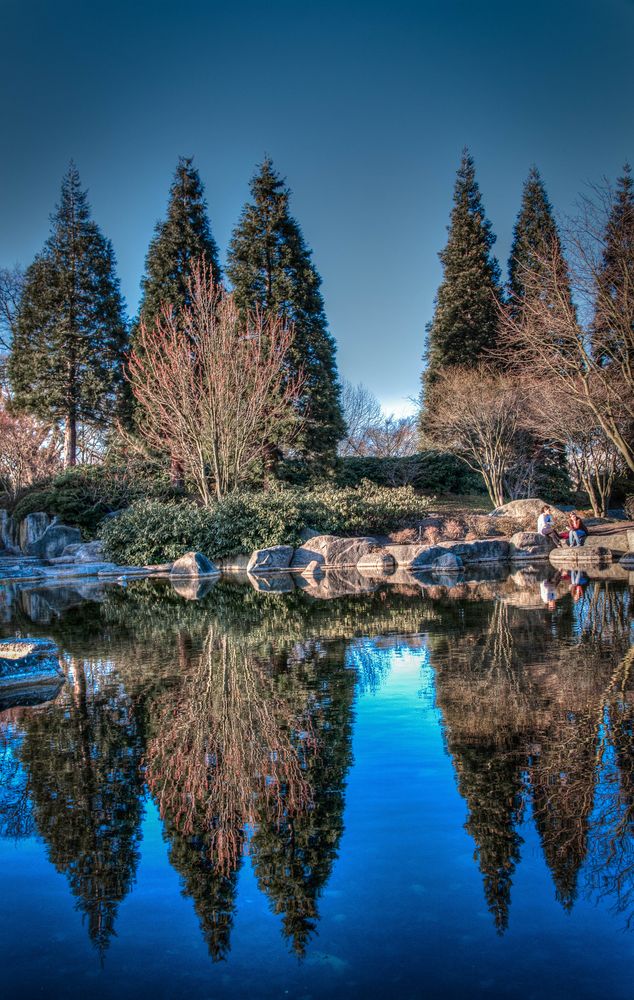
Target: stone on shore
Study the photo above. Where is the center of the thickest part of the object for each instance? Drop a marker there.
(53, 541)
(31, 529)
(332, 551)
(378, 563)
(529, 545)
(526, 512)
(194, 564)
(449, 562)
(86, 553)
(275, 557)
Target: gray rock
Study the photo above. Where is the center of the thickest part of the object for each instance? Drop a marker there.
(332, 551)
(194, 564)
(313, 569)
(480, 550)
(447, 563)
(31, 530)
(378, 563)
(53, 542)
(8, 532)
(405, 556)
(28, 662)
(528, 545)
(526, 512)
(276, 557)
(88, 552)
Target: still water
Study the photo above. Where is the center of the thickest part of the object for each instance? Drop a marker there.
(417, 791)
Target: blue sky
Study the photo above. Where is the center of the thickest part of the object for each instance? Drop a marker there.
(364, 108)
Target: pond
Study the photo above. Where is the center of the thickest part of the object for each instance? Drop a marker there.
(417, 790)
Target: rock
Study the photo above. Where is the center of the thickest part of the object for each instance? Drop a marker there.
(378, 563)
(528, 545)
(313, 569)
(276, 557)
(331, 550)
(31, 530)
(191, 588)
(53, 542)
(447, 563)
(8, 533)
(572, 556)
(89, 552)
(405, 556)
(28, 662)
(480, 550)
(526, 512)
(194, 564)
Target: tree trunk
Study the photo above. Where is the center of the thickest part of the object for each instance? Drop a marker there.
(176, 474)
(70, 442)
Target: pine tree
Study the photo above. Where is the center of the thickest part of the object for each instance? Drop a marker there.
(270, 267)
(615, 274)
(183, 236)
(465, 321)
(535, 240)
(66, 361)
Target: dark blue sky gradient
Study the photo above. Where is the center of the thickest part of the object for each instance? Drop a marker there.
(364, 108)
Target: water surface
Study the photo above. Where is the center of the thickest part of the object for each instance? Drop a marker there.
(419, 791)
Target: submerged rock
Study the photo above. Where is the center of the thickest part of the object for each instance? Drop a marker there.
(275, 557)
(28, 663)
(194, 564)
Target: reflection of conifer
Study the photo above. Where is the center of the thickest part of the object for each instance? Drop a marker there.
(293, 850)
(83, 757)
(212, 889)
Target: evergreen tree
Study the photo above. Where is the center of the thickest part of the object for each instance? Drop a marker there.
(465, 321)
(535, 237)
(270, 267)
(183, 236)
(615, 274)
(69, 337)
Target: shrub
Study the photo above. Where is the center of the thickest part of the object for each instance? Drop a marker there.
(84, 495)
(153, 531)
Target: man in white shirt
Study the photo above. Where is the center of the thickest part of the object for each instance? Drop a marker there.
(546, 527)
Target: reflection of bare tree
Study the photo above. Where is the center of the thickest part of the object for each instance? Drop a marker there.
(241, 743)
(16, 816)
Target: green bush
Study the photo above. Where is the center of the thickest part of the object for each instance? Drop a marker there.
(82, 496)
(153, 531)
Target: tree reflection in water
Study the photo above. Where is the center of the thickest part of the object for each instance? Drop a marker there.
(237, 711)
(537, 715)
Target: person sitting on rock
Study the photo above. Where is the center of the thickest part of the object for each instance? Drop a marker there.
(546, 527)
(577, 532)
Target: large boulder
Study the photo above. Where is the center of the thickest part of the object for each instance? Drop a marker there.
(449, 562)
(526, 512)
(480, 550)
(332, 551)
(194, 564)
(31, 530)
(27, 662)
(276, 557)
(377, 563)
(529, 545)
(8, 533)
(89, 552)
(53, 542)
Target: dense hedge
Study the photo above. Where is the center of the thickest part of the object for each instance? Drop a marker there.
(429, 472)
(154, 531)
(84, 495)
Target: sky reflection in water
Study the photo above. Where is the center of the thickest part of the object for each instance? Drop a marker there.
(269, 795)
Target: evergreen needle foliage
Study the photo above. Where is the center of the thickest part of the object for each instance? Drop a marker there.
(613, 279)
(270, 268)
(465, 321)
(69, 338)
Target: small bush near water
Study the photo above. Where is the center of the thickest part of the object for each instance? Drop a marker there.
(153, 531)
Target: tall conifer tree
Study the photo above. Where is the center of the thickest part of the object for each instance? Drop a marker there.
(536, 242)
(465, 321)
(69, 337)
(182, 237)
(270, 267)
(615, 274)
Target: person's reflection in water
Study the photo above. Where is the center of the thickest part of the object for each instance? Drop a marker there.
(548, 591)
(578, 584)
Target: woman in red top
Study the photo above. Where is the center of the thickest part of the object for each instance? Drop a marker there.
(578, 532)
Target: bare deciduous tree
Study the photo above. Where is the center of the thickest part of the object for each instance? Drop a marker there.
(585, 346)
(361, 410)
(477, 415)
(214, 389)
(11, 284)
(29, 450)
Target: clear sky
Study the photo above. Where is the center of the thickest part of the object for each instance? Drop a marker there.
(363, 106)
